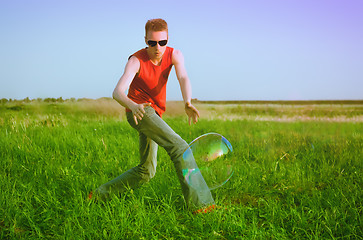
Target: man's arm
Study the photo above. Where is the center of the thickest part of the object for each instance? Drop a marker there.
(185, 86)
(131, 69)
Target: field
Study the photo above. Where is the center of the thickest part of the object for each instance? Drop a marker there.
(300, 174)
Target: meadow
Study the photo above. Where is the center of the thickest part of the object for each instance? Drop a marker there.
(299, 176)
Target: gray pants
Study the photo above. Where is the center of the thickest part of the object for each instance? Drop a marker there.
(153, 131)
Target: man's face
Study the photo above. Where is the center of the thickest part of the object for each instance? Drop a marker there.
(156, 52)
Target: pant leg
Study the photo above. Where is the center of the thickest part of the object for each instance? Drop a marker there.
(135, 176)
(148, 150)
(159, 131)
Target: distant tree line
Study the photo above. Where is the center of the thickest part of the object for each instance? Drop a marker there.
(47, 100)
(282, 102)
(194, 100)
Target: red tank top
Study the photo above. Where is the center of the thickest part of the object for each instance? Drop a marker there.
(149, 85)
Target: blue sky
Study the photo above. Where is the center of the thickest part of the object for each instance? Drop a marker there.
(234, 50)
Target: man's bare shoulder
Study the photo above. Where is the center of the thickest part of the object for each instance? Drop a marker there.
(177, 56)
(133, 60)
(133, 64)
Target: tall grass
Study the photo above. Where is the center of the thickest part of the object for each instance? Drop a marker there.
(294, 180)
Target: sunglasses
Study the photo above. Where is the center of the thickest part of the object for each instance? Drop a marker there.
(152, 43)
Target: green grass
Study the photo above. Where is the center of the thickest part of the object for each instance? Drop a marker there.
(294, 180)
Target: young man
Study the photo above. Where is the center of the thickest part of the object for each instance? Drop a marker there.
(146, 74)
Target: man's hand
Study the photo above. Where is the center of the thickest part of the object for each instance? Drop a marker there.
(192, 112)
(138, 111)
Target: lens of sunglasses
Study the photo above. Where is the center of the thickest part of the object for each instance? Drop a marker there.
(163, 42)
(152, 43)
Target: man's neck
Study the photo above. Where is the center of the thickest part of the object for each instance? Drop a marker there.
(155, 60)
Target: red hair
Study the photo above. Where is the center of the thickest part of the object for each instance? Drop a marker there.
(156, 25)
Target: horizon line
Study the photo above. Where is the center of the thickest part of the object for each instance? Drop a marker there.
(194, 100)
